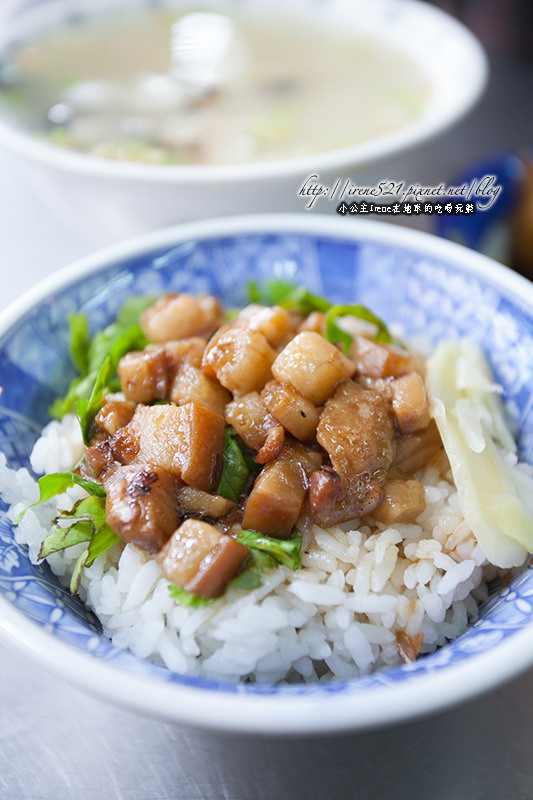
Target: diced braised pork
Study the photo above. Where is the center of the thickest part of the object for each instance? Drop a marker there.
(275, 323)
(141, 504)
(98, 458)
(240, 359)
(409, 646)
(178, 316)
(414, 451)
(313, 366)
(410, 403)
(357, 432)
(404, 501)
(191, 384)
(114, 414)
(377, 360)
(273, 445)
(201, 559)
(295, 412)
(180, 351)
(195, 501)
(325, 489)
(316, 322)
(187, 441)
(278, 494)
(148, 375)
(250, 419)
(144, 376)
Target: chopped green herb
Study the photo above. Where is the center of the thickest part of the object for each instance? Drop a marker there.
(79, 341)
(87, 409)
(75, 578)
(66, 537)
(102, 540)
(188, 599)
(248, 580)
(286, 294)
(237, 466)
(335, 333)
(58, 482)
(285, 551)
(88, 355)
(85, 522)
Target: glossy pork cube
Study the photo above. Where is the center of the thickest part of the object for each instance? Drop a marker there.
(414, 450)
(295, 412)
(240, 359)
(250, 419)
(187, 441)
(141, 504)
(278, 494)
(275, 323)
(356, 430)
(313, 366)
(144, 375)
(114, 414)
(192, 384)
(404, 501)
(177, 316)
(201, 559)
(409, 403)
(180, 351)
(376, 360)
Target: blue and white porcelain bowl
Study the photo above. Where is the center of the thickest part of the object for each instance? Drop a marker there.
(423, 283)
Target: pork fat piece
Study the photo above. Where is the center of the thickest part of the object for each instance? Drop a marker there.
(201, 559)
(356, 429)
(277, 497)
(313, 366)
(187, 441)
(178, 316)
(141, 504)
(240, 359)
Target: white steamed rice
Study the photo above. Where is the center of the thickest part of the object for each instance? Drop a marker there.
(337, 617)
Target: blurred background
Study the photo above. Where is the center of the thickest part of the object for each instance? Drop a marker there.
(499, 126)
(58, 743)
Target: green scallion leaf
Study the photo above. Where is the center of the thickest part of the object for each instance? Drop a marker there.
(335, 333)
(284, 293)
(236, 468)
(87, 409)
(103, 539)
(58, 482)
(188, 599)
(285, 551)
(75, 578)
(66, 537)
(247, 581)
(88, 355)
(79, 341)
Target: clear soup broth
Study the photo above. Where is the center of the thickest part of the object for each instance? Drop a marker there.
(162, 86)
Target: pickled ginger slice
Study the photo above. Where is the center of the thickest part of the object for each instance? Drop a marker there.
(494, 494)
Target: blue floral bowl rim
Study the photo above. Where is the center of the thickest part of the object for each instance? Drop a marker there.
(280, 712)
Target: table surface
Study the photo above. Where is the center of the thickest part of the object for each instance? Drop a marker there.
(56, 742)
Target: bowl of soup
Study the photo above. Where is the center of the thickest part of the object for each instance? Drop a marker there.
(135, 114)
